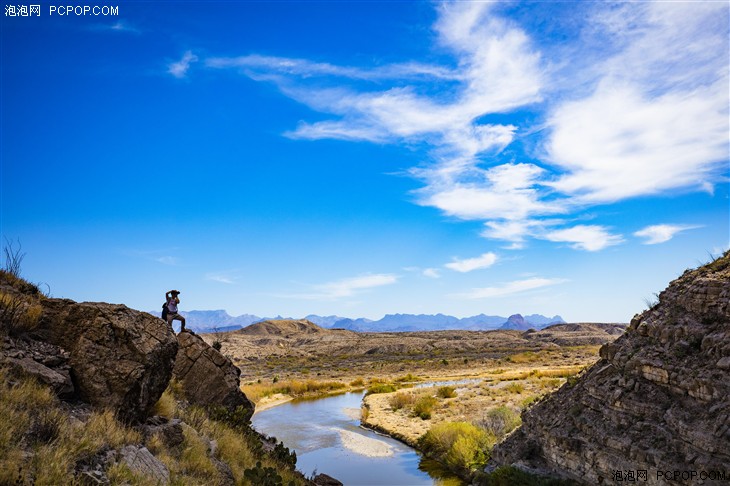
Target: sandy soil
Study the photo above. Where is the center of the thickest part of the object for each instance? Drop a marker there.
(272, 401)
(365, 446)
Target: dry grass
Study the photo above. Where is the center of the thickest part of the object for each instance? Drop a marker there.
(294, 388)
(33, 420)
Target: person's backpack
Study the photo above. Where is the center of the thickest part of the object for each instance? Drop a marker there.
(164, 311)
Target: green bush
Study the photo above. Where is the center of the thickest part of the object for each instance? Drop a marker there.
(424, 406)
(500, 421)
(381, 388)
(462, 446)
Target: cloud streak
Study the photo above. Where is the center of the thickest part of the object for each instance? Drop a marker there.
(485, 260)
(345, 288)
(616, 115)
(510, 288)
(180, 68)
(661, 233)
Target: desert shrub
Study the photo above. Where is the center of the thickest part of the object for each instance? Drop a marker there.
(528, 401)
(515, 387)
(500, 421)
(526, 357)
(424, 406)
(13, 258)
(381, 388)
(217, 345)
(264, 476)
(446, 392)
(461, 446)
(357, 382)
(400, 400)
(407, 378)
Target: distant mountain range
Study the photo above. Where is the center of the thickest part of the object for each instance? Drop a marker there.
(220, 320)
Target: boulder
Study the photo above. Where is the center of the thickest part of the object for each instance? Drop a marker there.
(121, 359)
(59, 381)
(207, 377)
(141, 462)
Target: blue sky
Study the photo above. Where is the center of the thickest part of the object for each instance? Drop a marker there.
(365, 158)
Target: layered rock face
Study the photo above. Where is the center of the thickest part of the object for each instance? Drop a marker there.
(120, 359)
(655, 407)
(208, 377)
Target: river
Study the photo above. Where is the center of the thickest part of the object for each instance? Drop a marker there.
(327, 437)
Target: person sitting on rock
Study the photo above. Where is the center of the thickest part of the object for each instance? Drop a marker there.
(172, 301)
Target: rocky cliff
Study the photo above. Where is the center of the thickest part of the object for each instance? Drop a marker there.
(655, 407)
(97, 393)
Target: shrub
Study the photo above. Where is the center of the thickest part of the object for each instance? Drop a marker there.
(446, 392)
(461, 446)
(357, 382)
(381, 388)
(500, 421)
(407, 378)
(515, 387)
(217, 345)
(400, 400)
(424, 406)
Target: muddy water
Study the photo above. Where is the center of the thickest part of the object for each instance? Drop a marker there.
(327, 438)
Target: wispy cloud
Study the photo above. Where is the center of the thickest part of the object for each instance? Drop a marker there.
(344, 288)
(432, 273)
(168, 260)
(617, 114)
(661, 233)
(585, 237)
(510, 288)
(227, 277)
(180, 68)
(485, 260)
(120, 26)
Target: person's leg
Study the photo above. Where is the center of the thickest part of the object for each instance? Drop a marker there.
(182, 322)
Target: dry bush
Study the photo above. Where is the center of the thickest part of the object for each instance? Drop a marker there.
(423, 407)
(515, 387)
(357, 382)
(500, 421)
(446, 392)
(400, 400)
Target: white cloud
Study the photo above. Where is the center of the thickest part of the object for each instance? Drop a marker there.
(346, 287)
(660, 233)
(510, 288)
(657, 119)
(431, 273)
(585, 237)
(180, 68)
(619, 114)
(469, 264)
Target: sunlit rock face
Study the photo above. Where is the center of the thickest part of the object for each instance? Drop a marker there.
(657, 401)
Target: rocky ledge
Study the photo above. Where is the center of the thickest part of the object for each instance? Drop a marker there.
(656, 403)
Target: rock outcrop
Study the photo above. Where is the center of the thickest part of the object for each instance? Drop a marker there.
(120, 359)
(656, 404)
(207, 377)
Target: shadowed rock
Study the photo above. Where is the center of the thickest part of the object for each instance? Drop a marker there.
(658, 399)
(121, 359)
(208, 377)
